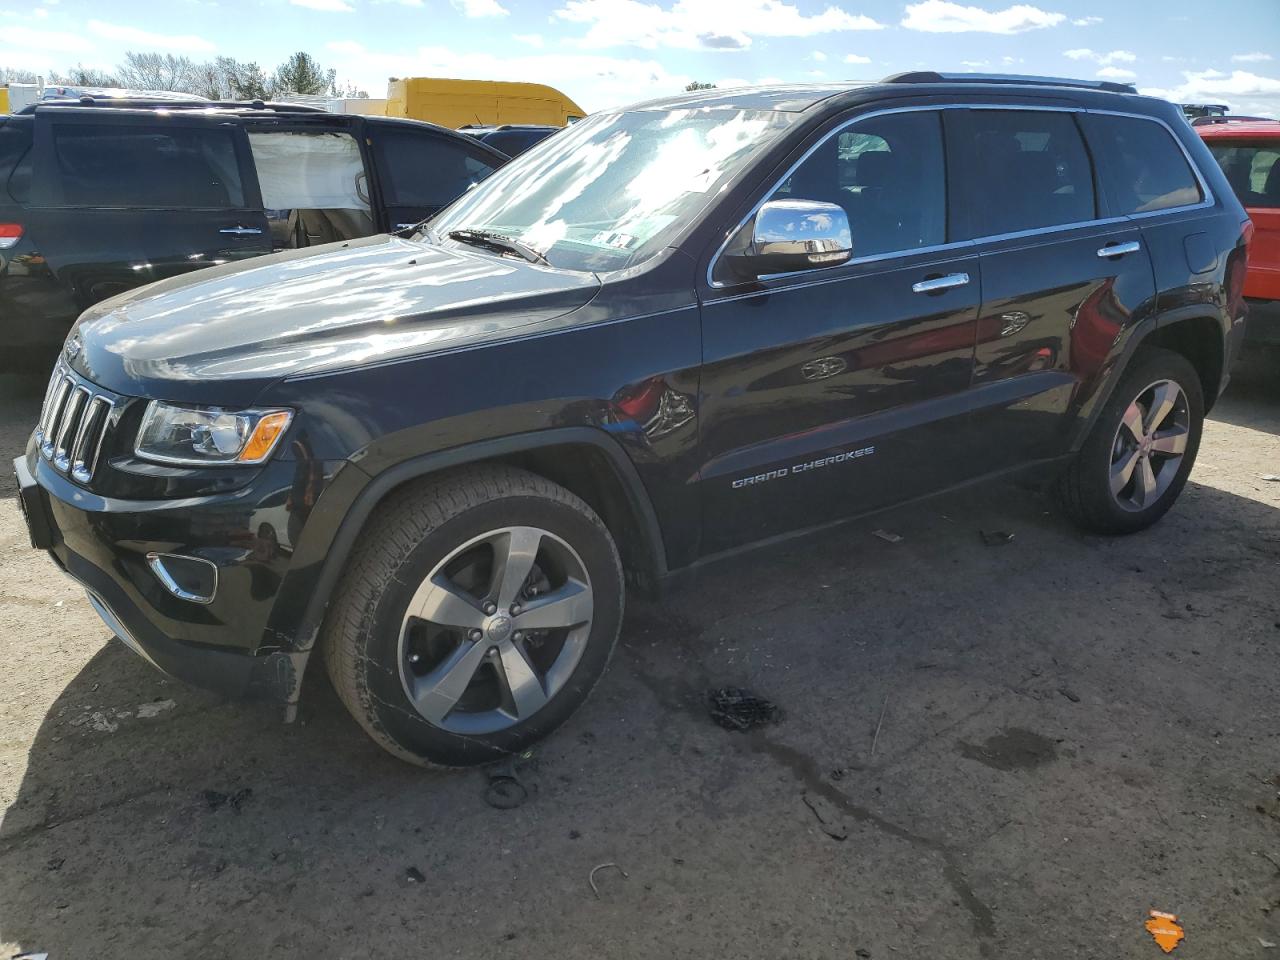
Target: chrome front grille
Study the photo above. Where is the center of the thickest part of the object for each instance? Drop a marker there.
(73, 424)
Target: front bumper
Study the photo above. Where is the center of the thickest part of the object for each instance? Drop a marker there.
(104, 548)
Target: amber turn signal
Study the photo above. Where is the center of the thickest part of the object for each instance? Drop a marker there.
(264, 436)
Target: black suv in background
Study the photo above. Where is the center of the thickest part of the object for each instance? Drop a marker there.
(512, 139)
(98, 198)
(671, 332)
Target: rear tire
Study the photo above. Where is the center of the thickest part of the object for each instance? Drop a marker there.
(477, 612)
(1137, 457)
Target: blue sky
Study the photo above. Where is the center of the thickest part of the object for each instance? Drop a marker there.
(605, 53)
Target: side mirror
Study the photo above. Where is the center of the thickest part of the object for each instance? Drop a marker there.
(791, 235)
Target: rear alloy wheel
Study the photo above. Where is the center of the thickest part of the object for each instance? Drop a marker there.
(1137, 457)
(478, 610)
(1149, 446)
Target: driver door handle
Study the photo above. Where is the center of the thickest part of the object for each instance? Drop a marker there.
(938, 284)
(1119, 249)
(242, 231)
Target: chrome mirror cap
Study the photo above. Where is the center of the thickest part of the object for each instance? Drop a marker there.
(791, 235)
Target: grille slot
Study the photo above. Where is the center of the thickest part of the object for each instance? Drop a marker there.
(73, 424)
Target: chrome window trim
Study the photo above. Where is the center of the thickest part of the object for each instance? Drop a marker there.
(1207, 196)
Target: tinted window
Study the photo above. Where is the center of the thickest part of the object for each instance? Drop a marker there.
(512, 142)
(889, 176)
(423, 170)
(122, 166)
(15, 159)
(1027, 170)
(1142, 165)
(1252, 169)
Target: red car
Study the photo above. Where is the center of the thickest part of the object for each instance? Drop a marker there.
(1249, 153)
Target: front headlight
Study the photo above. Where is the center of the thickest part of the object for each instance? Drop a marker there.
(208, 436)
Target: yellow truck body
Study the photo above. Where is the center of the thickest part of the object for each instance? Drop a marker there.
(4, 99)
(456, 103)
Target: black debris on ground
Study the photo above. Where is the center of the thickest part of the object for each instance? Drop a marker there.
(737, 709)
(995, 538)
(414, 875)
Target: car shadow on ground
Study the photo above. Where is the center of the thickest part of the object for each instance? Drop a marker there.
(982, 747)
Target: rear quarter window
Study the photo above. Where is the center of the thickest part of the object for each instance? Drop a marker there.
(1143, 168)
(108, 165)
(1252, 168)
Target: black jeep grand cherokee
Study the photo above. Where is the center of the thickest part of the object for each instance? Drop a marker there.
(665, 334)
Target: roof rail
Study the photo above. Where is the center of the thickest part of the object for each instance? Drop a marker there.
(1230, 118)
(930, 76)
(151, 103)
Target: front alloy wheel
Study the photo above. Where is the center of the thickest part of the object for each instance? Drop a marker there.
(478, 610)
(495, 630)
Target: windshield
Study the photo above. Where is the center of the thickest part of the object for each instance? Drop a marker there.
(615, 188)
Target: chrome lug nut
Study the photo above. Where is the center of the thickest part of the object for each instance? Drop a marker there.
(490, 608)
(518, 636)
(515, 609)
(475, 635)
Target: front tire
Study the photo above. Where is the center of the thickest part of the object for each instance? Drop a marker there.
(478, 611)
(1137, 457)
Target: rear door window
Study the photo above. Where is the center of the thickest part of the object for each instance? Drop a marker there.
(118, 165)
(1252, 169)
(15, 160)
(1142, 166)
(425, 169)
(1026, 170)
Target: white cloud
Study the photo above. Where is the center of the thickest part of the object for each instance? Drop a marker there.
(818, 55)
(942, 16)
(146, 40)
(1242, 91)
(1085, 21)
(328, 6)
(529, 39)
(42, 41)
(480, 8)
(1257, 57)
(856, 58)
(975, 64)
(594, 81)
(1102, 59)
(1116, 73)
(700, 24)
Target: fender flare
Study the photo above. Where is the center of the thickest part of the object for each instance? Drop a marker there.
(357, 515)
(1138, 335)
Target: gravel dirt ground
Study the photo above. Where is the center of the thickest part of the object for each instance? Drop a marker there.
(986, 751)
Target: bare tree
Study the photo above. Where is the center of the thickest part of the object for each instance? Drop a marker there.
(698, 85)
(82, 76)
(15, 75)
(226, 78)
(348, 91)
(157, 71)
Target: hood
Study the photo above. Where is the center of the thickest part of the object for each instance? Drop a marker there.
(221, 334)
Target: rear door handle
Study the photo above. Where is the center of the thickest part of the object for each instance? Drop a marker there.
(1119, 249)
(242, 231)
(938, 284)
(406, 226)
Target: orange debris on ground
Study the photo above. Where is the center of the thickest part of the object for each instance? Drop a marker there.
(1164, 928)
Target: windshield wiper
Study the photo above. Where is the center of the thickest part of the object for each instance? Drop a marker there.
(499, 242)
